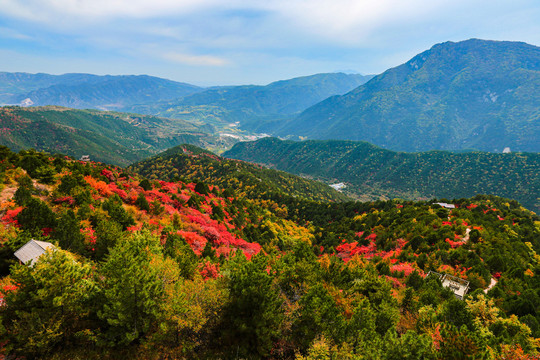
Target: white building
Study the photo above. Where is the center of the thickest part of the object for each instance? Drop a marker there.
(458, 286)
(338, 187)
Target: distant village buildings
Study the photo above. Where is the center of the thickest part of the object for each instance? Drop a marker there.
(85, 158)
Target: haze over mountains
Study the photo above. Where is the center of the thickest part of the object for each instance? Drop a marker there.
(155, 96)
(474, 94)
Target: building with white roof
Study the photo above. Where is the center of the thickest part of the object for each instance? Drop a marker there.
(458, 286)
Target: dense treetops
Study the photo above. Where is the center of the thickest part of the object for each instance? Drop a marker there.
(149, 268)
(371, 172)
(472, 94)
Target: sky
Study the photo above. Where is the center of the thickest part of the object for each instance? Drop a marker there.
(232, 42)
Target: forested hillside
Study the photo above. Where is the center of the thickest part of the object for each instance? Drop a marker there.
(253, 181)
(472, 94)
(171, 269)
(371, 172)
(117, 138)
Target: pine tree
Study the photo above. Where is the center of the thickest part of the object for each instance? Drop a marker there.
(68, 233)
(36, 216)
(132, 289)
(254, 314)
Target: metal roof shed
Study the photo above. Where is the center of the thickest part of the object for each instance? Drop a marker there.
(30, 252)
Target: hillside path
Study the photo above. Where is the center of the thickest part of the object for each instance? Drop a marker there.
(7, 193)
(466, 237)
(491, 285)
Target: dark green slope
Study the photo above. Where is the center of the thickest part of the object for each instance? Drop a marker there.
(191, 163)
(116, 138)
(473, 94)
(371, 172)
(252, 105)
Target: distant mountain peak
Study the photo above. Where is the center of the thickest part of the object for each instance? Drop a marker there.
(472, 94)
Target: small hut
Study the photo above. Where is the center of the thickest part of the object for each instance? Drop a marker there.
(30, 252)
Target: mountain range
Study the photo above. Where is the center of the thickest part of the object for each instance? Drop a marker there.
(473, 94)
(83, 91)
(468, 95)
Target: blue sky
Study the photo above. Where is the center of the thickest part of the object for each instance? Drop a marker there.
(221, 42)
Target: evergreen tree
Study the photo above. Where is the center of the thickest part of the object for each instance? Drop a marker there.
(132, 289)
(253, 315)
(36, 217)
(24, 192)
(142, 203)
(68, 233)
(145, 184)
(107, 234)
(318, 315)
(114, 207)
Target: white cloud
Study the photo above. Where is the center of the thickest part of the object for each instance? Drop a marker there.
(350, 22)
(195, 60)
(332, 16)
(255, 39)
(13, 34)
(47, 10)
